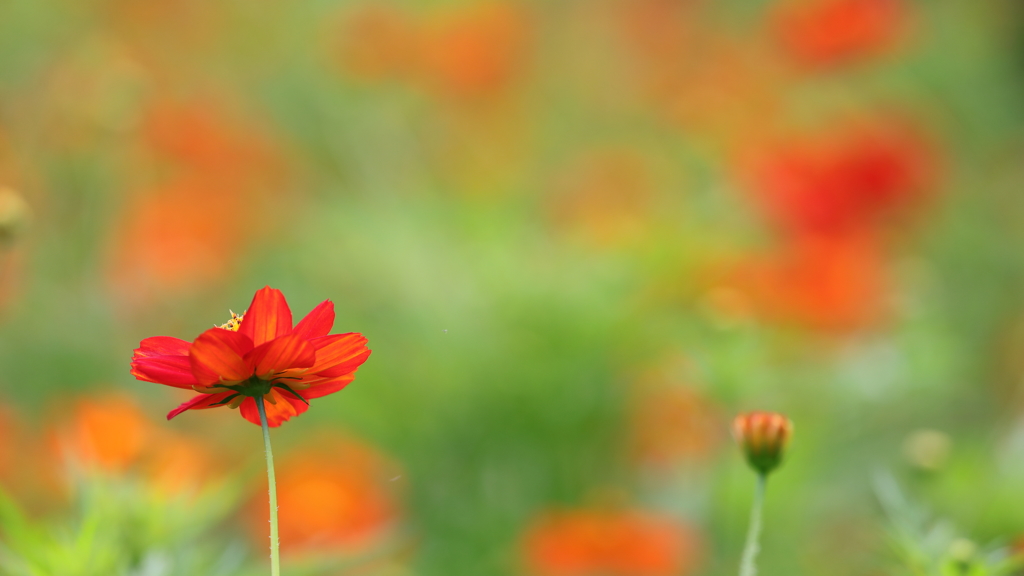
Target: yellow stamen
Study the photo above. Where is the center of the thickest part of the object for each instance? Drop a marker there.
(271, 397)
(234, 322)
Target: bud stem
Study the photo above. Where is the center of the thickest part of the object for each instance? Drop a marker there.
(752, 547)
(275, 554)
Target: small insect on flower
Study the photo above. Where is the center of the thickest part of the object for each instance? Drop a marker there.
(763, 436)
(256, 354)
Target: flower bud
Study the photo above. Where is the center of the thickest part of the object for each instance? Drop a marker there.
(14, 215)
(763, 437)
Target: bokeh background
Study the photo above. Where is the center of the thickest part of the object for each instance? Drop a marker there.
(579, 235)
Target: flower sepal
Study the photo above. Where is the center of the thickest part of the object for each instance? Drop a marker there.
(288, 389)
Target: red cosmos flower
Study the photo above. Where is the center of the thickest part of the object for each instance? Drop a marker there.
(256, 354)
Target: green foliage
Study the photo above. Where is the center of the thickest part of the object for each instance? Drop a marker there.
(121, 527)
(926, 546)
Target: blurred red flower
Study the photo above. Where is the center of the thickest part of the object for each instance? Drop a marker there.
(827, 32)
(335, 499)
(850, 177)
(609, 543)
(257, 354)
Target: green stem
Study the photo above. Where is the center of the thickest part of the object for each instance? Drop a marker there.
(750, 550)
(275, 552)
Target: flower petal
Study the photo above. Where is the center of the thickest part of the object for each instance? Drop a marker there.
(290, 351)
(327, 387)
(286, 407)
(168, 370)
(268, 317)
(198, 403)
(216, 355)
(318, 322)
(162, 346)
(339, 354)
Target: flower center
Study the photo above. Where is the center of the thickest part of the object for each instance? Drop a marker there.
(254, 387)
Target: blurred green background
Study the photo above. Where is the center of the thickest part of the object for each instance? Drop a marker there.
(580, 236)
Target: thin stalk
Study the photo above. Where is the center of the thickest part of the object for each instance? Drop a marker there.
(275, 552)
(753, 546)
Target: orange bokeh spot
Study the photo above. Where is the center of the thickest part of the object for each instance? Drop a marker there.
(605, 197)
(203, 137)
(732, 93)
(375, 42)
(821, 282)
(609, 543)
(337, 499)
(108, 433)
(176, 236)
(187, 228)
(478, 51)
(828, 32)
(177, 464)
(659, 31)
(672, 423)
(9, 436)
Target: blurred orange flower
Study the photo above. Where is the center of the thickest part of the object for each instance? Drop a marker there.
(180, 235)
(609, 543)
(605, 196)
(258, 354)
(478, 51)
(846, 178)
(658, 30)
(9, 438)
(202, 137)
(335, 498)
(375, 42)
(821, 282)
(178, 463)
(670, 423)
(828, 32)
(733, 93)
(109, 433)
(186, 231)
